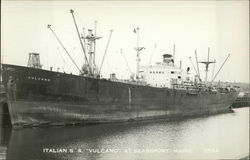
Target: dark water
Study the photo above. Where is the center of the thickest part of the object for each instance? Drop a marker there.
(224, 136)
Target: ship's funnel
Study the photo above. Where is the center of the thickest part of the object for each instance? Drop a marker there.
(113, 76)
(167, 58)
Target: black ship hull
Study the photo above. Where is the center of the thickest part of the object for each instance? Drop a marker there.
(39, 97)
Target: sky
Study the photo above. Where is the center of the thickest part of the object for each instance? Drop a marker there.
(189, 25)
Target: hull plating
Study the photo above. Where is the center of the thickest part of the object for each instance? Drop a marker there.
(39, 97)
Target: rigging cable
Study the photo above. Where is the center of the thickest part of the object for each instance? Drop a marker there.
(49, 26)
(220, 68)
(105, 51)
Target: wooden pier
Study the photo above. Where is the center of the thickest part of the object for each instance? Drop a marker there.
(242, 101)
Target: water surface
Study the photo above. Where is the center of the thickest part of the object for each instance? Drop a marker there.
(223, 136)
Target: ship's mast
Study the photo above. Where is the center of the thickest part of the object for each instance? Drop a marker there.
(207, 63)
(91, 51)
(137, 55)
(138, 49)
(95, 44)
(91, 42)
(198, 70)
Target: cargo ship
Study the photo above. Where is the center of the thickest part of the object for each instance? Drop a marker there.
(37, 97)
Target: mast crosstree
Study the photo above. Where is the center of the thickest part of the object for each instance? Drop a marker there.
(207, 63)
(91, 43)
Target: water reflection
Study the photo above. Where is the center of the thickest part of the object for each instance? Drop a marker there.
(221, 136)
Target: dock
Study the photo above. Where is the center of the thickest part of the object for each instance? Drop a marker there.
(242, 101)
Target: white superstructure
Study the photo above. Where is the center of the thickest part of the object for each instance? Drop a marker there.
(164, 74)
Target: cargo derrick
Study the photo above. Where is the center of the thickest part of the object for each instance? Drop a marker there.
(40, 97)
